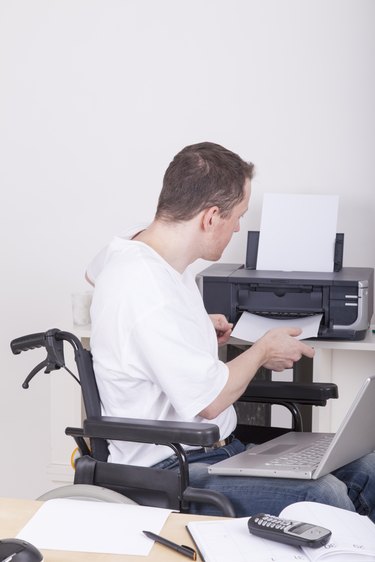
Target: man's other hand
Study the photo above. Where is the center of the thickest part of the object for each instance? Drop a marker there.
(222, 327)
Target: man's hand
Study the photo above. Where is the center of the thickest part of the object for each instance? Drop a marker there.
(282, 349)
(222, 327)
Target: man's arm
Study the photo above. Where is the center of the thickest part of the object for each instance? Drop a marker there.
(277, 350)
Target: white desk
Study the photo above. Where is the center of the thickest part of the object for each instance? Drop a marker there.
(347, 364)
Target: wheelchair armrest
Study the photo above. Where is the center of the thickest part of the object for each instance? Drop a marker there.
(315, 393)
(218, 499)
(150, 431)
(79, 438)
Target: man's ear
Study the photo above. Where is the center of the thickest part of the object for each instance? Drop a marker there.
(209, 218)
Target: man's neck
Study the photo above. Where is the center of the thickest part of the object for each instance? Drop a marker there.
(176, 242)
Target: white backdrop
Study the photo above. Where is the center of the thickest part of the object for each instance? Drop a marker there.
(96, 96)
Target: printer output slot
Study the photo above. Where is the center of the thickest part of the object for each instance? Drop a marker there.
(280, 315)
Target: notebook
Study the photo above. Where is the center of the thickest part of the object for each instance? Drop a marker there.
(289, 456)
(223, 540)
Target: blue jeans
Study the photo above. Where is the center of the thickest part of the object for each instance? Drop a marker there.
(351, 487)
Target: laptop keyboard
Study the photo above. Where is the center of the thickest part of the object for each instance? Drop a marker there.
(307, 456)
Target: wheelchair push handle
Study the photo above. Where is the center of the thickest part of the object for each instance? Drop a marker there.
(52, 341)
(25, 343)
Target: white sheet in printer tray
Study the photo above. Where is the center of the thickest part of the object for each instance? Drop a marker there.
(297, 232)
(251, 327)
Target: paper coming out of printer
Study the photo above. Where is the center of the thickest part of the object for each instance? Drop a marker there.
(297, 232)
(251, 327)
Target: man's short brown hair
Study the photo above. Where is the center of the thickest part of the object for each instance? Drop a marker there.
(201, 176)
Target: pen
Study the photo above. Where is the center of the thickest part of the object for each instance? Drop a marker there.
(182, 549)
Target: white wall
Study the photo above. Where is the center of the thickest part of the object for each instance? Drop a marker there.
(96, 96)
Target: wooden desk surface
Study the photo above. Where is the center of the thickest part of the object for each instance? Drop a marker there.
(15, 513)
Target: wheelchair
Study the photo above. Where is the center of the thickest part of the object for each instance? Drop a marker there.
(148, 485)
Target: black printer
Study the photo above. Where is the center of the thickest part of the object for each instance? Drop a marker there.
(344, 296)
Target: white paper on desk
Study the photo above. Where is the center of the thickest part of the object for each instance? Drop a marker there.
(297, 232)
(91, 526)
(251, 327)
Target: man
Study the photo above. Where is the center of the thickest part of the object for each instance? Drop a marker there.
(155, 348)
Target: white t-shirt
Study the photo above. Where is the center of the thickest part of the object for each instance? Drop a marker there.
(154, 346)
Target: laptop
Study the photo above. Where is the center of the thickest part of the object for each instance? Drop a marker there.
(307, 455)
